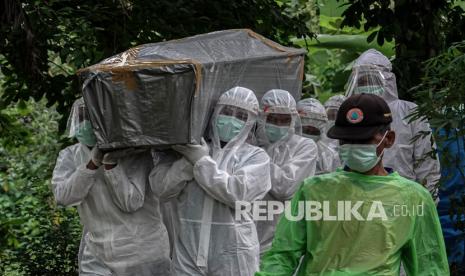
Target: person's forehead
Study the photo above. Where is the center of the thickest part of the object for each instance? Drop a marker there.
(279, 115)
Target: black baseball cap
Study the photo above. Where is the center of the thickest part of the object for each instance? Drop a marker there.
(360, 117)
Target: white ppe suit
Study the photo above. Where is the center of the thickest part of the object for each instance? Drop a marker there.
(123, 233)
(409, 157)
(209, 239)
(332, 107)
(292, 158)
(312, 113)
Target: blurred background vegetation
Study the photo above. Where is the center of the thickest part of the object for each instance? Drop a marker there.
(43, 43)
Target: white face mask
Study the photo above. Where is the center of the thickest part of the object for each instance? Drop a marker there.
(360, 157)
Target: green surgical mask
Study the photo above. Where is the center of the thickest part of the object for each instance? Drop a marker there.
(373, 89)
(275, 133)
(360, 157)
(228, 127)
(85, 134)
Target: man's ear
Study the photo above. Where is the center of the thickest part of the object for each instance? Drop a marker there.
(390, 139)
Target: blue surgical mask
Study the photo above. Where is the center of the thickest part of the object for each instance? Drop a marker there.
(85, 134)
(275, 133)
(228, 127)
(360, 157)
(373, 89)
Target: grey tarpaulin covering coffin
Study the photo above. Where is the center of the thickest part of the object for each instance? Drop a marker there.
(161, 94)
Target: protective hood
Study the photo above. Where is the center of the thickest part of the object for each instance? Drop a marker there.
(239, 97)
(380, 66)
(281, 102)
(335, 101)
(312, 113)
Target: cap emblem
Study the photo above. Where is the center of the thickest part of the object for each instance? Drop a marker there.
(354, 116)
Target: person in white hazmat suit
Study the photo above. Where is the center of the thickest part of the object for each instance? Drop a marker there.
(314, 122)
(292, 157)
(206, 182)
(372, 74)
(123, 231)
(332, 106)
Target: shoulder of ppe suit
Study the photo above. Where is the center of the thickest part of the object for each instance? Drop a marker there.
(401, 107)
(323, 147)
(304, 144)
(66, 157)
(251, 150)
(70, 150)
(245, 152)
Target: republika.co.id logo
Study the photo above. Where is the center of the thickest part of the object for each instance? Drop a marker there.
(324, 211)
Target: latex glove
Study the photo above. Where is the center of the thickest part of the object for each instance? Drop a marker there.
(193, 153)
(111, 158)
(96, 156)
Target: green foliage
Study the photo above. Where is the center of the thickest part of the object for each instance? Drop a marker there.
(44, 42)
(441, 99)
(421, 29)
(37, 237)
(441, 96)
(305, 10)
(331, 55)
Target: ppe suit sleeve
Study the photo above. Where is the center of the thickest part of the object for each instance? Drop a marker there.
(427, 171)
(249, 181)
(127, 181)
(71, 184)
(425, 253)
(168, 178)
(285, 178)
(289, 243)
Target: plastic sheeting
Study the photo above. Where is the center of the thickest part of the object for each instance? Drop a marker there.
(161, 94)
(452, 153)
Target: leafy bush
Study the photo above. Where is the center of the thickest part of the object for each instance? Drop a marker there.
(441, 96)
(37, 237)
(441, 99)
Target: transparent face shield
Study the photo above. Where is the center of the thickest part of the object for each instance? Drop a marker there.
(79, 125)
(366, 79)
(278, 119)
(234, 111)
(78, 115)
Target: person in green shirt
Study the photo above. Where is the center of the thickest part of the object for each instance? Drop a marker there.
(363, 219)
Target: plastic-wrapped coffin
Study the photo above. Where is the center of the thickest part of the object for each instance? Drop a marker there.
(162, 94)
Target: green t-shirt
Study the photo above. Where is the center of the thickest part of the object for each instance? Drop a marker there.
(365, 225)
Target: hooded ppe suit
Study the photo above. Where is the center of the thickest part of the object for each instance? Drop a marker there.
(382, 221)
(332, 106)
(292, 158)
(124, 234)
(372, 74)
(313, 114)
(210, 240)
